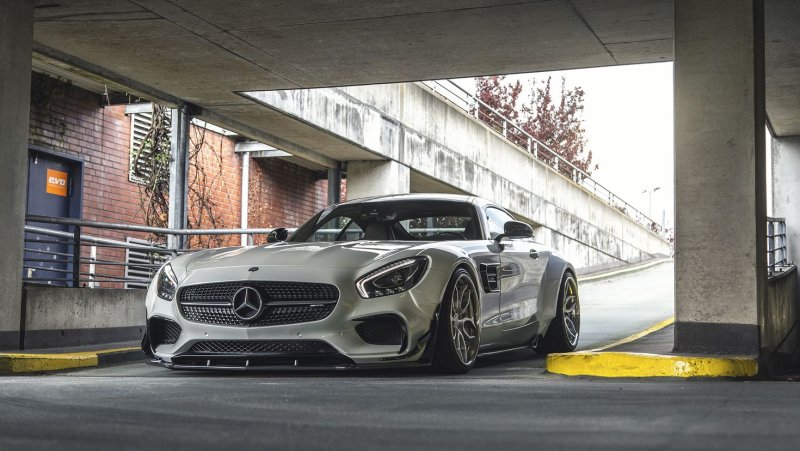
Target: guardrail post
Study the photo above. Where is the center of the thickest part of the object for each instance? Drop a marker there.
(505, 128)
(76, 256)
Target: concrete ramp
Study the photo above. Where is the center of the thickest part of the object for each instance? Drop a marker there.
(447, 150)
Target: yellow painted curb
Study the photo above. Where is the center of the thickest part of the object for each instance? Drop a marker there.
(631, 364)
(33, 363)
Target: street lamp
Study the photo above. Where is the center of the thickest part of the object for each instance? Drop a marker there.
(650, 192)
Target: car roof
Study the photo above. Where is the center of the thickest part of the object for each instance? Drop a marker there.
(415, 196)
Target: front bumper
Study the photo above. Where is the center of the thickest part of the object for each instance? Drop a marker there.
(415, 308)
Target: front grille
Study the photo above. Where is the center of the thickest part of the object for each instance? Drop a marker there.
(272, 316)
(288, 347)
(270, 291)
(163, 331)
(313, 302)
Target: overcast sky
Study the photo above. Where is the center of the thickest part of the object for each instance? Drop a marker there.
(628, 121)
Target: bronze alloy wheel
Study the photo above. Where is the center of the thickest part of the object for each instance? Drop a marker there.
(571, 313)
(463, 319)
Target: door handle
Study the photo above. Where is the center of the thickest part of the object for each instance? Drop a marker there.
(533, 254)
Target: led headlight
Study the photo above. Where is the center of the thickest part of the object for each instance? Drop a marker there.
(166, 283)
(393, 278)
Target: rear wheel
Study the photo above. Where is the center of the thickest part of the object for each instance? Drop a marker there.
(458, 333)
(564, 330)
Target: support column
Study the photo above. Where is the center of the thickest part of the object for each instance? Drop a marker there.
(334, 185)
(720, 199)
(786, 190)
(178, 175)
(377, 178)
(16, 39)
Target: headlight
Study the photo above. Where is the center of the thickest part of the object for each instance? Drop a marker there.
(394, 278)
(166, 283)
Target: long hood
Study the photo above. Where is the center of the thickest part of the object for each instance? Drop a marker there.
(331, 255)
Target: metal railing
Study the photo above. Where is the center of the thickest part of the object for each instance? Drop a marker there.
(777, 255)
(522, 139)
(70, 257)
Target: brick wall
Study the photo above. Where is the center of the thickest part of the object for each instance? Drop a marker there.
(74, 122)
(71, 121)
(283, 194)
(215, 186)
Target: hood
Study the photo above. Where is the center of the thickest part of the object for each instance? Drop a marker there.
(339, 255)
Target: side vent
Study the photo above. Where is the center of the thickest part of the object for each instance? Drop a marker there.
(490, 277)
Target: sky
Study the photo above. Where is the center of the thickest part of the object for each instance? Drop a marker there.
(629, 128)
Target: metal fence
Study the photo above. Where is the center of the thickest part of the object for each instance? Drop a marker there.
(522, 139)
(777, 255)
(60, 252)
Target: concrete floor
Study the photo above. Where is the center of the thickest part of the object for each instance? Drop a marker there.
(507, 401)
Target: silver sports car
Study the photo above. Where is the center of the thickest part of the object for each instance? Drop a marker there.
(417, 279)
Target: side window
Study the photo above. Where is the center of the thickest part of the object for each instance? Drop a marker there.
(496, 219)
(334, 227)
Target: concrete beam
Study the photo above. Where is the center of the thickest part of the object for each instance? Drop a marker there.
(16, 38)
(377, 178)
(83, 69)
(720, 255)
(268, 138)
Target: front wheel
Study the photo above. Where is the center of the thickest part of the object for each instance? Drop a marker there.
(458, 332)
(565, 329)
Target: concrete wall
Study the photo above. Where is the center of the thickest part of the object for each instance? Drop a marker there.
(411, 125)
(77, 316)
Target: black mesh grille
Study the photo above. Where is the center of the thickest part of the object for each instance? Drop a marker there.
(321, 300)
(291, 347)
(164, 331)
(270, 291)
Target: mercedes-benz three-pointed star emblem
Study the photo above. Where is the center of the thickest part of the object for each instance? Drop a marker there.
(247, 303)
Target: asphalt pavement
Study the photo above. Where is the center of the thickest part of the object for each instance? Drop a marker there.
(508, 402)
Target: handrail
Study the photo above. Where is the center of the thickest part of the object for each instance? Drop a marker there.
(470, 102)
(146, 229)
(46, 261)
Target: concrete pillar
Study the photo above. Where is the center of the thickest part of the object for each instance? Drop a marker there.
(720, 201)
(179, 175)
(16, 38)
(377, 178)
(334, 185)
(786, 190)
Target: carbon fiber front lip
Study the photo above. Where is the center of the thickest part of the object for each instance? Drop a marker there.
(236, 368)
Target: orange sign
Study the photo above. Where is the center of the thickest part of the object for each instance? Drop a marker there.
(57, 182)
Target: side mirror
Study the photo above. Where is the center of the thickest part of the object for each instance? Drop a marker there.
(515, 229)
(278, 235)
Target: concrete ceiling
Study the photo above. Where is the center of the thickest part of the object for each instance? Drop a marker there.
(205, 51)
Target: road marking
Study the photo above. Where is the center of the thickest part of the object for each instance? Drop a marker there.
(655, 327)
(623, 271)
(38, 362)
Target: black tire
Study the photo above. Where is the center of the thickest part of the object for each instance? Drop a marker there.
(564, 331)
(447, 359)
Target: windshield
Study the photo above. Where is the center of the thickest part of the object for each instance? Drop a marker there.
(429, 220)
